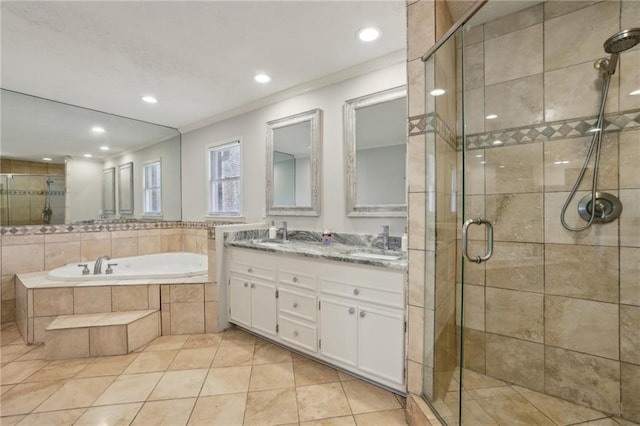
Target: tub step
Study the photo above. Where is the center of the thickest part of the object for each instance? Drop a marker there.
(88, 335)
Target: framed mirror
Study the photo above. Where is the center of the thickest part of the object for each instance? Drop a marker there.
(375, 135)
(294, 145)
(109, 192)
(125, 189)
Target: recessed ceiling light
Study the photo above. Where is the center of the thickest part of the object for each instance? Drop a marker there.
(88, 155)
(262, 78)
(368, 34)
(635, 92)
(497, 142)
(104, 148)
(97, 129)
(150, 99)
(47, 159)
(491, 116)
(437, 92)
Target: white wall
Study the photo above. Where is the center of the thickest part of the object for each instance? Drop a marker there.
(84, 190)
(251, 128)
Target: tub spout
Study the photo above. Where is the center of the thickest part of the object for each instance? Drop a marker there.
(97, 267)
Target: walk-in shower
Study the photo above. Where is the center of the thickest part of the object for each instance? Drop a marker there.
(607, 207)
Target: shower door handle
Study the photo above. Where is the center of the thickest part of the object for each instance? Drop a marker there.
(465, 241)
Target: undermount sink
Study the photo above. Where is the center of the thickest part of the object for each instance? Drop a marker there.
(374, 256)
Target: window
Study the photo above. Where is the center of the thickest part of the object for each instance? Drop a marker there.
(224, 179)
(152, 191)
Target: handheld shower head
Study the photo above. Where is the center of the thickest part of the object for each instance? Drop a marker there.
(618, 43)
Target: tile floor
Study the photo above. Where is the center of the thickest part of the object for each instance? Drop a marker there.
(491, 402)
(230, 378)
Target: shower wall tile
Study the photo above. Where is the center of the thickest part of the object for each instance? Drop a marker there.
(416, 220)
(472, 35)
(474, 111)
(629, 77)
(563, 160)
(416, 87)
(516, 217)
(629, 273)
(421, 28)
(554, 8)
(630, 386)
(630, 218)
(513, 169)
(473, 306)
(515, 314)
(517, 266)
(474, 350)
(574, 92)
(630, 334)
(474, 273)
(474, 207)
(630, 158)
(516, 361)
(503, 58)
(604, 234)
(586, 272)
(584, 379)
(416, 163)
(474, 167)
(416, 277)
(567, 326)
(513, 22)
(473, 67)
(60, 254)
(416, 330)
(583, 30)
(516, 102)
(90, 250)
(630, 15)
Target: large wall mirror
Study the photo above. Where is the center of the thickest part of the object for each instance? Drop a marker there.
(375, 133)
(294, 145)
(125, 188)
(82, 144)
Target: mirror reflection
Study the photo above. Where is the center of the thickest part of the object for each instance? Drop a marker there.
(376, 146)
(293, 146)
(54, 157)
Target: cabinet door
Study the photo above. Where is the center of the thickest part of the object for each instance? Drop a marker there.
(381, 343)
(338, 330)
(263, 307)
(240, 300)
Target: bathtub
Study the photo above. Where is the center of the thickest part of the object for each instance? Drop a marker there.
(162, 265)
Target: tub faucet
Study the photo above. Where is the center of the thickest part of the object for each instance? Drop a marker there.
(385, 237)
(97, 267)
(285, 236)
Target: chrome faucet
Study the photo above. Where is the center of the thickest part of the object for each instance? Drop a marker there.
(385, 237)
(97, 267)
(285, 236)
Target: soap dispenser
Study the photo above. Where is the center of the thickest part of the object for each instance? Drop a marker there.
(404, 242)
(273, 231)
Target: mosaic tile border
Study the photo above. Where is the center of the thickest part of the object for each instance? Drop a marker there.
(31, 192)
(431, 123)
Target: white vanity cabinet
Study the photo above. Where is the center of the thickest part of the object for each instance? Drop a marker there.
(348, 315)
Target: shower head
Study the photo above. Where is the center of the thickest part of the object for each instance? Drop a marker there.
(623, 40)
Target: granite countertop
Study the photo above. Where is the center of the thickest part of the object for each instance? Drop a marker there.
(306, 245)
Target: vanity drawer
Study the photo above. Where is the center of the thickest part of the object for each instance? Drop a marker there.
(297, 304)
(253, 270)
(298, 334)
(297, 279)
(363, 292)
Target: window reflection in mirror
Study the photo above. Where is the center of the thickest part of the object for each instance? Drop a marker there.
(375, 153)
(293, 146)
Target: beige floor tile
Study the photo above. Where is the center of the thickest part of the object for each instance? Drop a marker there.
(270, 354)
(11, 336)
(23, 398)
(5, 388)
(382, 418)
(196, 341)
(322, 401)
(166, 343)
(561, 412)
(55, 418)
(179, 384)
(313, 373)
(12, 420)
(58, 370)
(219, 410)
(335, 421)
(296, 357)
(129, 388)
(107, 366)
(473, 380)
(111, 415)
(16, 372)
(226, 380)
(12, 352)
(37, 353)
(237, 337)
(271, 376)
(174, 412)
(188, 359)
(345, 377)
(76, 393)
(271, 407)
(514, 410)
(365, 398)
(151, 361)
(233, 355)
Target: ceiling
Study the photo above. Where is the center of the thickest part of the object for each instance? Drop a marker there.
(197, 57)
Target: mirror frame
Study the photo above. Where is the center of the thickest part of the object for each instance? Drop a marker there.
(349, 116)
(125, 179)
(315, 117)
(109, 191)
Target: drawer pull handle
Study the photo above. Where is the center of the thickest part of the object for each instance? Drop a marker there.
(356, 291)
(295, 304)
(250, 270)
(352, 311)
(253, 285)
(362, 314)
(295, 334)
(246, 284)
(295, 279)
